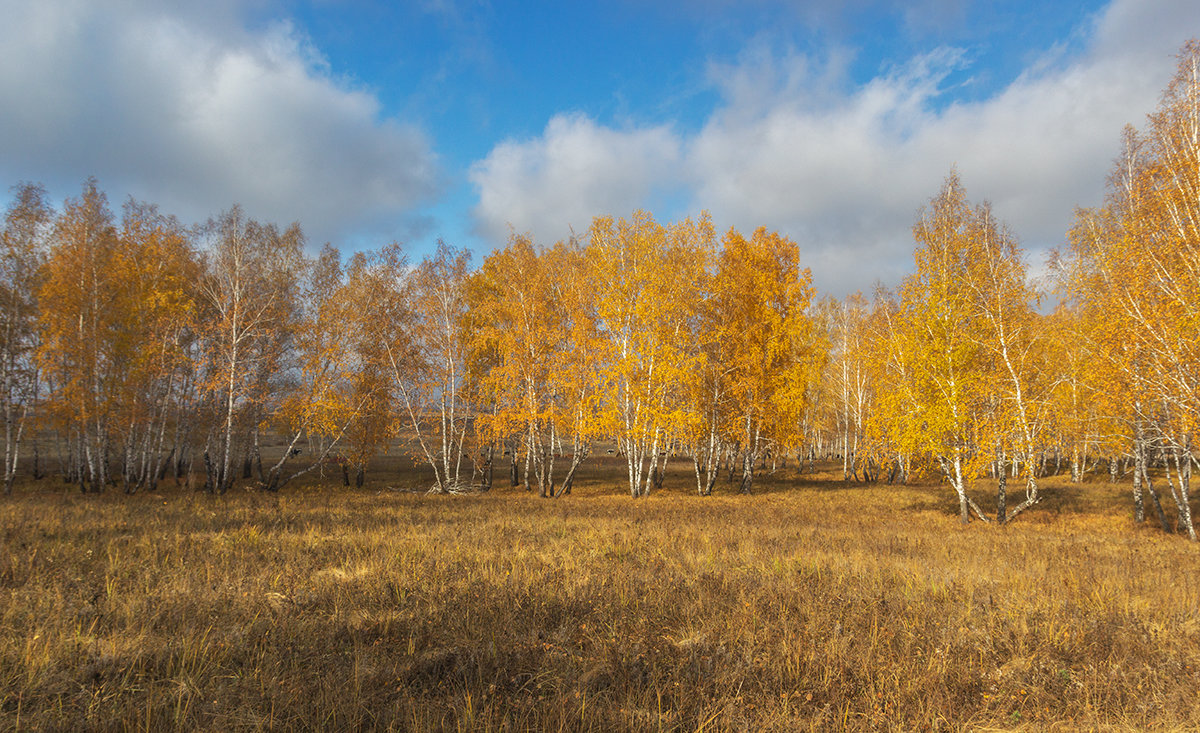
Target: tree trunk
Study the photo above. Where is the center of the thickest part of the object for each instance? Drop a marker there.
(210, 479)
(528, 460)
(1162, 515)
(1183, 473)
(953, 473)
(964, 513)
(653, 479)
(1001, 492)
(577, 458)
(1139, 469)
(747, 472)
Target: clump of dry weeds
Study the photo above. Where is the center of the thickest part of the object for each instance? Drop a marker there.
(817, 607)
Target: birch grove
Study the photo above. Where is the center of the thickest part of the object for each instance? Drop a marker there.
(231, 354)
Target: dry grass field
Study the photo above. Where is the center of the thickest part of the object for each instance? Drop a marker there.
(814, 605)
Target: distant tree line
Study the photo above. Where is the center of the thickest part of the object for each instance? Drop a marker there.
(135, 348)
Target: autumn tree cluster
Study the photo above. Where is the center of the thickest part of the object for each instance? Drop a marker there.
(1131, 277)
(134, 348)
(959, 372)
(953, 372)
(137, 348)
(656, 336)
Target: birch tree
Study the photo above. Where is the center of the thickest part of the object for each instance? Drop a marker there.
(248, 300)
(428, 360)
(532, 310)
(1009, 334)
(323, 403)
(368, 299)
(1135, 265)
(761, 298)
(75, 320)
(966, 382)
(647, 279)
(22, 250)
(154, 326)
(848, 379)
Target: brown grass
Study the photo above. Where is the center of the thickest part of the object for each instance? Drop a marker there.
(815, 605)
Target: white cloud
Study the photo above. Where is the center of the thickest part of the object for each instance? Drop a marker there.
(845, 172)
(574, 171)
(179, 104)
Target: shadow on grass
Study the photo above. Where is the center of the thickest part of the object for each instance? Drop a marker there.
(1057, 497)
(604, 477)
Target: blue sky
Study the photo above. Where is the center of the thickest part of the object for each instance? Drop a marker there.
(370, 122)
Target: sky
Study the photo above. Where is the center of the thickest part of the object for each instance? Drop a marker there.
(468, 120)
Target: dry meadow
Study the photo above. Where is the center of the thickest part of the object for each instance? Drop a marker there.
(813, 605)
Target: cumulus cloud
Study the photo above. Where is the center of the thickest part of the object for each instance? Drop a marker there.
(844, 169)
(179, 104)
(575, 170)
(846, 178)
